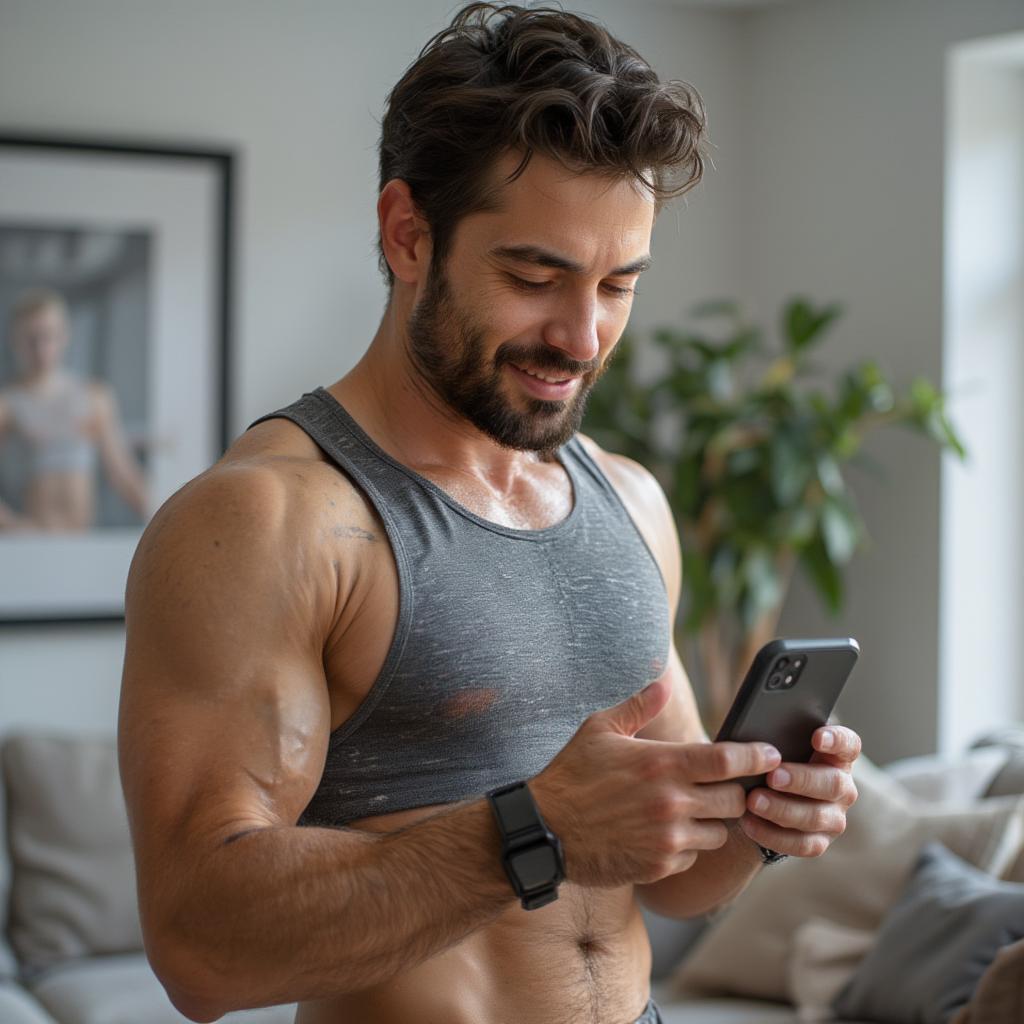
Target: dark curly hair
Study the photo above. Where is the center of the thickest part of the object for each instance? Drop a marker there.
(503, 77)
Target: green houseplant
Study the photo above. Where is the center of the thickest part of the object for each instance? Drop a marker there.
(751, 453)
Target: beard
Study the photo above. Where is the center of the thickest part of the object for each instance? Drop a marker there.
(449, 351)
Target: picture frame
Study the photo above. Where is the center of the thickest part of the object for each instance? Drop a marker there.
(116, 291)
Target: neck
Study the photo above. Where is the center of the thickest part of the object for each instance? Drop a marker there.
(387, 396)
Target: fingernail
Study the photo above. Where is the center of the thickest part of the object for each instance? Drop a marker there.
(781, 777)
(770, 753)
(761, 803)
(828, 739)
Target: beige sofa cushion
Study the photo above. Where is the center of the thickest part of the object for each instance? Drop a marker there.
(746, 951)
(823, 958)
(73, 875)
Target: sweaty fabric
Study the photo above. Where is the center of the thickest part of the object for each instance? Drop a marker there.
(506, 639)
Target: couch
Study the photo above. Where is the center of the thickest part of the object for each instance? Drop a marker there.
(71, 947)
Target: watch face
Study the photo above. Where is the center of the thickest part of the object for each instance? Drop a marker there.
(534, 867)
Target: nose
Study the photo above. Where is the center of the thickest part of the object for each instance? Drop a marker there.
(574, 329)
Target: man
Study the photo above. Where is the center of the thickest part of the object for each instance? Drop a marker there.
(389, 605)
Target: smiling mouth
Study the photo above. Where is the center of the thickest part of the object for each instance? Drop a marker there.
(544, 377)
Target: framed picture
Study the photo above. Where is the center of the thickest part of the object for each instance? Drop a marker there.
(115, 310)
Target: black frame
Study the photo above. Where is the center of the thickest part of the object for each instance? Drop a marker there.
(224, 163)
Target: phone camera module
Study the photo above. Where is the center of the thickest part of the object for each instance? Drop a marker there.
(782, 663)
(774, 682)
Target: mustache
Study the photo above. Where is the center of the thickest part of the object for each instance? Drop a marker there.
(545, 359)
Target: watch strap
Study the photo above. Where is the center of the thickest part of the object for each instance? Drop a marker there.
(770, 856)
(521, 826)
(516, 811)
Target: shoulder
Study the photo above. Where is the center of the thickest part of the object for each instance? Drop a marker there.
(635, 484)
(264, 528)
(647, 505)
(98, 396)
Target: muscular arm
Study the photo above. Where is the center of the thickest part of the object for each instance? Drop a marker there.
(717, 876)
(223, 731)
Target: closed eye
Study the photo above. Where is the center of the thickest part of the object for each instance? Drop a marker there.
(530, 286)
(536, 286)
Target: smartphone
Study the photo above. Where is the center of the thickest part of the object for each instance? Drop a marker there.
(789, 691)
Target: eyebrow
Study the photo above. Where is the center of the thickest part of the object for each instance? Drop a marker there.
(544, 258)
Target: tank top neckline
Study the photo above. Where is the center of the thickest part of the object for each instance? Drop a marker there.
(508, 531)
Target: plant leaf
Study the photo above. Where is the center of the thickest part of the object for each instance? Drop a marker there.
(823, 574)
(840, 532)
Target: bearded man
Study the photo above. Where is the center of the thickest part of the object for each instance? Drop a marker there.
(404, 736)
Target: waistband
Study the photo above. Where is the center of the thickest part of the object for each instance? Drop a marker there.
(651, 1014)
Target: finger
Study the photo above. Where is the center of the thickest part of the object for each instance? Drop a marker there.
(836, 744)
(720, 800)
(785, 840)
(704, 835)
(719, 762)
(794, 812)
(816, 781)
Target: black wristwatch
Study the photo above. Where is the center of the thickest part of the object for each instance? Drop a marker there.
(530, 851)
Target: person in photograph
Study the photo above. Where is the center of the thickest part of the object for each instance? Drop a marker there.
(65, 423)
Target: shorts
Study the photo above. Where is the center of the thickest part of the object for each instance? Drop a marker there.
(651, 1014)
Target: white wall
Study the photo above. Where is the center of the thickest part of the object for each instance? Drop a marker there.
(982, 609)
(299, 87)
(843, 199)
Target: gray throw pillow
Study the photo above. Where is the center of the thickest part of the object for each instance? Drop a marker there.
(72, 870)
(935, 944)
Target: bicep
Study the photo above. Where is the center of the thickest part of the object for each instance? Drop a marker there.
(224, 713)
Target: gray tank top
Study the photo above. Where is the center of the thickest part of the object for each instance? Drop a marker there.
(506, 639)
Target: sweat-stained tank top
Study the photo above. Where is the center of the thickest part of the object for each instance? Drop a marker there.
(506, 640)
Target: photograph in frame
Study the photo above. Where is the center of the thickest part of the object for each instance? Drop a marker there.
(114, 310)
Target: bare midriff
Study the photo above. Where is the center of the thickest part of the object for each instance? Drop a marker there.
(62, 500)
(583, 959)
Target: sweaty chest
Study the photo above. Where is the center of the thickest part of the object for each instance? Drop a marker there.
(500, 648)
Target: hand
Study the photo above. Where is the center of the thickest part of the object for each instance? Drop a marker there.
(805, 812)
(631, 810)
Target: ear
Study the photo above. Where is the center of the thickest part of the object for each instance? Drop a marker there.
(404, 233)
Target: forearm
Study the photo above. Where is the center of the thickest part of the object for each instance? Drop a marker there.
(130, 484)
(717, 877)
(290, 914)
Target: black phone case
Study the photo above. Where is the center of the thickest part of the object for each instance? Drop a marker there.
(787, 718)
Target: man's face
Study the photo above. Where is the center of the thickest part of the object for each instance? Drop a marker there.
(542, 287)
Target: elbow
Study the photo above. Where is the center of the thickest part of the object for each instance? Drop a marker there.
(191, 1009)
(189, 985)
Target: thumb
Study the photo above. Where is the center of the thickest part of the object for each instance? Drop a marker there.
(630, 716)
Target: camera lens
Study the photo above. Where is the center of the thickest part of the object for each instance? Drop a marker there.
(774, 682)
(782, 663)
